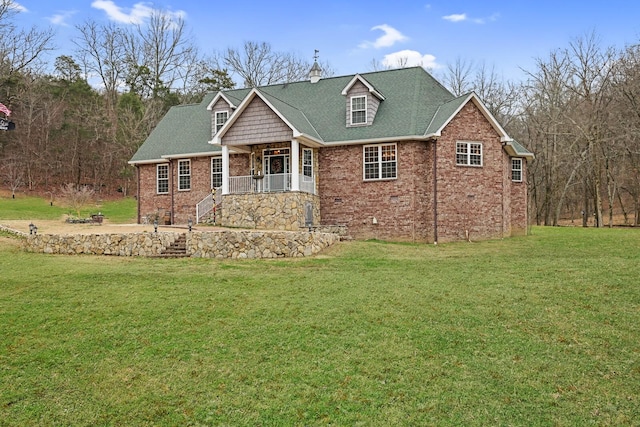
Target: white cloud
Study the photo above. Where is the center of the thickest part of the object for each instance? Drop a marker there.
(135, 15)
(461, 17)
(409, 58)
(61, 18)
(456, 17)
(17, 7)
(390, 37)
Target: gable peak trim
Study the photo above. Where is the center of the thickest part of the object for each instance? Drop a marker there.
(219, 96)
(369, 86)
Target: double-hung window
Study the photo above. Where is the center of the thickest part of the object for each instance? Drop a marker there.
(380, 162)
(516, 170)
(468, 154)
(221, 118)
(162, 178)
(307, 164)
(359, 110)
(184, 175)
(216, 172)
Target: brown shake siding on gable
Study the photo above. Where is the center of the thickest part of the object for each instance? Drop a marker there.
(402, 207)
(257, 125)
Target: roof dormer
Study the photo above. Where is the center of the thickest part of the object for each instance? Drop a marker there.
(363, 101)
(221, 108)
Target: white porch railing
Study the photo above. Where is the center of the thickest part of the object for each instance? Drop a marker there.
(207, 204)
(272, 183)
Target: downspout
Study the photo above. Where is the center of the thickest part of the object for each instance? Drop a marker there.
(172, 191)
(138, 191)
(435, 193)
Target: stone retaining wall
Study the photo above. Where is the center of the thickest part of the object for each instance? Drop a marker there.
(258, 244)
(221, 244)
(124, 244)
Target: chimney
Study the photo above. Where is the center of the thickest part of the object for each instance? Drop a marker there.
(316, 72)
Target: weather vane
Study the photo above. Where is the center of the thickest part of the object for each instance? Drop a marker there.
(315, 54)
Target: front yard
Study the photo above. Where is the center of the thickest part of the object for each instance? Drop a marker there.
(539, 330)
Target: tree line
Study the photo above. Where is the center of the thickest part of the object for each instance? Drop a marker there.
(577, 109)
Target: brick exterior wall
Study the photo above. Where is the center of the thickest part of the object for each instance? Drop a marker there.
(181, 205)
(401, 207)
(519, 200)
(473, 202)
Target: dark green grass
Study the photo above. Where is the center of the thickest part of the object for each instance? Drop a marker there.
(33, 208)
(534, 331)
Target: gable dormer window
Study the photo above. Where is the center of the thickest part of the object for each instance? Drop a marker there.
(220, 119)
(359, 110)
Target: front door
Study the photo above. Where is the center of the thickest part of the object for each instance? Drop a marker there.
(276, 170)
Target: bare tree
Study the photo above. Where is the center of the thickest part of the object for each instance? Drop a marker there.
(13, 175)
(101, 51)
(458, 77)
(20, 49)
(257, 64)
(162, 50)
(77, 197)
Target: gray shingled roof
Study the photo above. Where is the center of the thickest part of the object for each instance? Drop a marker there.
(185, 129)
(415, 105)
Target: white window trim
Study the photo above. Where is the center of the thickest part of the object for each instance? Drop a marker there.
(307, 150)
(468, 154)
(180, 175)
(518, 169)
(364, 109)
(379, 147)
(165, 165)
(217, 173)
(217, 124)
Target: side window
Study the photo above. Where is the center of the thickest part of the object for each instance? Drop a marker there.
(307, 163)
(468, 154)
(162, 179)
(216, 172)
(184, 175)
(516, 170)
(380, 162)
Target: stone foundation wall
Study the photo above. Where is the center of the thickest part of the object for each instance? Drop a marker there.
(271, 211)
(220, 244)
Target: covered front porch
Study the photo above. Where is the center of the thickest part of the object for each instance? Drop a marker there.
(269, 168)
(269, 186)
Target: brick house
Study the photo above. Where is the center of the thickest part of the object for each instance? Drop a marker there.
(389, 155)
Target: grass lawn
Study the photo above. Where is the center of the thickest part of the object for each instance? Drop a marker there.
(534, 331)
(28, 207)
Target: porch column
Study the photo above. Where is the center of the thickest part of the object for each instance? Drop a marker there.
(295, 165)
(225, 169)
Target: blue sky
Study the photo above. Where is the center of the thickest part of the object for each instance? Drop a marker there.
(506, 35)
